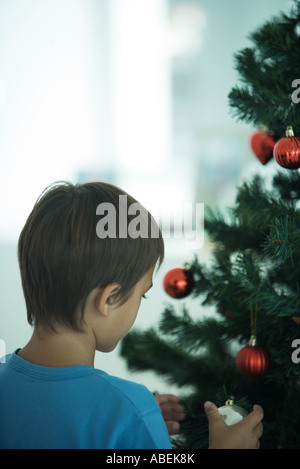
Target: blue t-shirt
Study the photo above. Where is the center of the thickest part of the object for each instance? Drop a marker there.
(75, 407)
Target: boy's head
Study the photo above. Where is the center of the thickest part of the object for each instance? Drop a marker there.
(63, 258)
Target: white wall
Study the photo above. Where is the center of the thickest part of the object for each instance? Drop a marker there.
(54, 64)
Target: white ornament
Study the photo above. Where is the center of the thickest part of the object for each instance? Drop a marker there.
(232, 413)
(297, 30)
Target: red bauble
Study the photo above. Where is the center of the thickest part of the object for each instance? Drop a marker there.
(252, 361)
(178, 282)
(262, 146)
(287, 150)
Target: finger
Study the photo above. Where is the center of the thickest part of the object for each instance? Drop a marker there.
(173, 428)
(256, 416)
(258, 430)
(258, 408)
(213, 414)
(215, 420)
(169, 407)
(178, 416)
(162, 398)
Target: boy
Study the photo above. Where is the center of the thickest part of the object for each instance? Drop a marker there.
(83, 278)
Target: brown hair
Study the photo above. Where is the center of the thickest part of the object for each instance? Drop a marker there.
(62, 259)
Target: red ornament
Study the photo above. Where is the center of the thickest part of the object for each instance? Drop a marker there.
(178, 282)
(287, 150)
(253, 360)
(262, 146)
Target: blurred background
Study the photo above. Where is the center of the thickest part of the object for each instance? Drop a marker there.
(131, 92)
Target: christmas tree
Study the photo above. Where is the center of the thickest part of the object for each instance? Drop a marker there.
(253, 279)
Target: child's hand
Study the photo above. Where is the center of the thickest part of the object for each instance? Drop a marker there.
(243, 435)
(172, 412)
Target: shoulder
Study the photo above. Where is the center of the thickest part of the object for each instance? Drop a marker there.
(136, 395)
(137, 416)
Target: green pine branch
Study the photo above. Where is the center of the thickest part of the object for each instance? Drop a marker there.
(267, 71)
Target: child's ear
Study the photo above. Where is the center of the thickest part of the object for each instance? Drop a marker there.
(105, 298)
